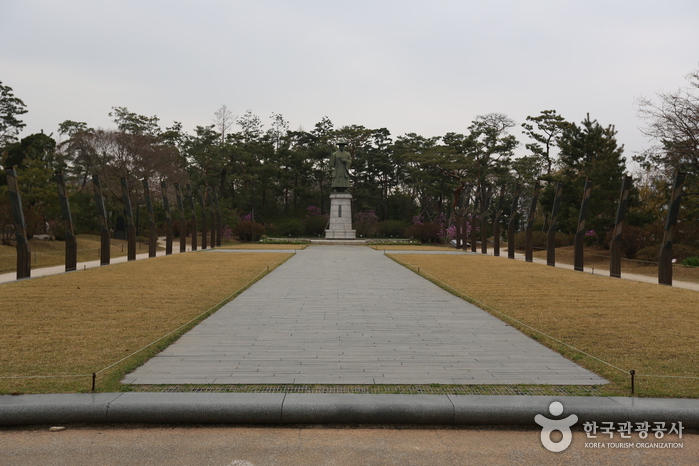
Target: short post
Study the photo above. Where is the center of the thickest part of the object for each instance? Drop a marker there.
(579, 244)
(24, 254)
(152, 231)
(195, 228)
(615, 244)
(183, 219)
(204, 232)
(496, 223)
(168, 219)
(528, 247)
(553, 226)
(511, 224)
(105, 245)
(130, 228)
(665, 254)
(71, 242)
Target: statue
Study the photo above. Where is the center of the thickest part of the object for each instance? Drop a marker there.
(340, 162)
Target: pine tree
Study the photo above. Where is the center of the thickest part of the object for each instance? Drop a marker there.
(590, 151)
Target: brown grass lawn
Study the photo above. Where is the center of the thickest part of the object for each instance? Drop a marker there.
(649, 328)
(81, 322)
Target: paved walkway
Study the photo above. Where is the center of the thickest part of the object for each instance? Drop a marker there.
(350, 315)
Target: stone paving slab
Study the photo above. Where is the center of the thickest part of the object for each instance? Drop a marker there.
(348, 314)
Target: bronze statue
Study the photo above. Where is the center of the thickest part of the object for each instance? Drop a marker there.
(340, 162)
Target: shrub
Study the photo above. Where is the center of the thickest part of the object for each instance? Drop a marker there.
(249, 230)
(176, 228)
(692, 261)
(315, 226)
(266, 240)
(427, 232)
(648, 254)
(365, 223)
(683, 251)
(679, 252)
(393, 242)
(391, 228)
(447, 234)
(564, 239)
(226, 233)
(292, 227)
(540, 238)
(633, 239)
(7, 229)
(59, 231)
(313, 211)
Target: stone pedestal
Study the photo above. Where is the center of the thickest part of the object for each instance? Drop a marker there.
(340, 226)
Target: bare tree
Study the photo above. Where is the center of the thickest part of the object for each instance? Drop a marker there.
(673, 123)
(223, 121)
(279, 129)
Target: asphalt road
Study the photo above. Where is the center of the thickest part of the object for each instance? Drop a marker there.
(310, 445)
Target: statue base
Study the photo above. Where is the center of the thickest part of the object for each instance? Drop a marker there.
(340, 225)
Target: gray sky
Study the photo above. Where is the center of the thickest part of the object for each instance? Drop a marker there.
(409, 66)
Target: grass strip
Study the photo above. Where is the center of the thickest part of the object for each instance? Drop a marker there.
(649, 328)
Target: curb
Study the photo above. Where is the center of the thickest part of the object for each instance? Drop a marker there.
(280, 409)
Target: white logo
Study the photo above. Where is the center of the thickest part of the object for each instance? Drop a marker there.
(561, 425)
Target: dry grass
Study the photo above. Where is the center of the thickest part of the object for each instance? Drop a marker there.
(649, 328)
(82, 322)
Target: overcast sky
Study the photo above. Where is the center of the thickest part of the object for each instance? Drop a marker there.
(409, 66)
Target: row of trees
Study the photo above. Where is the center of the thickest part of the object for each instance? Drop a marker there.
(274, 174)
